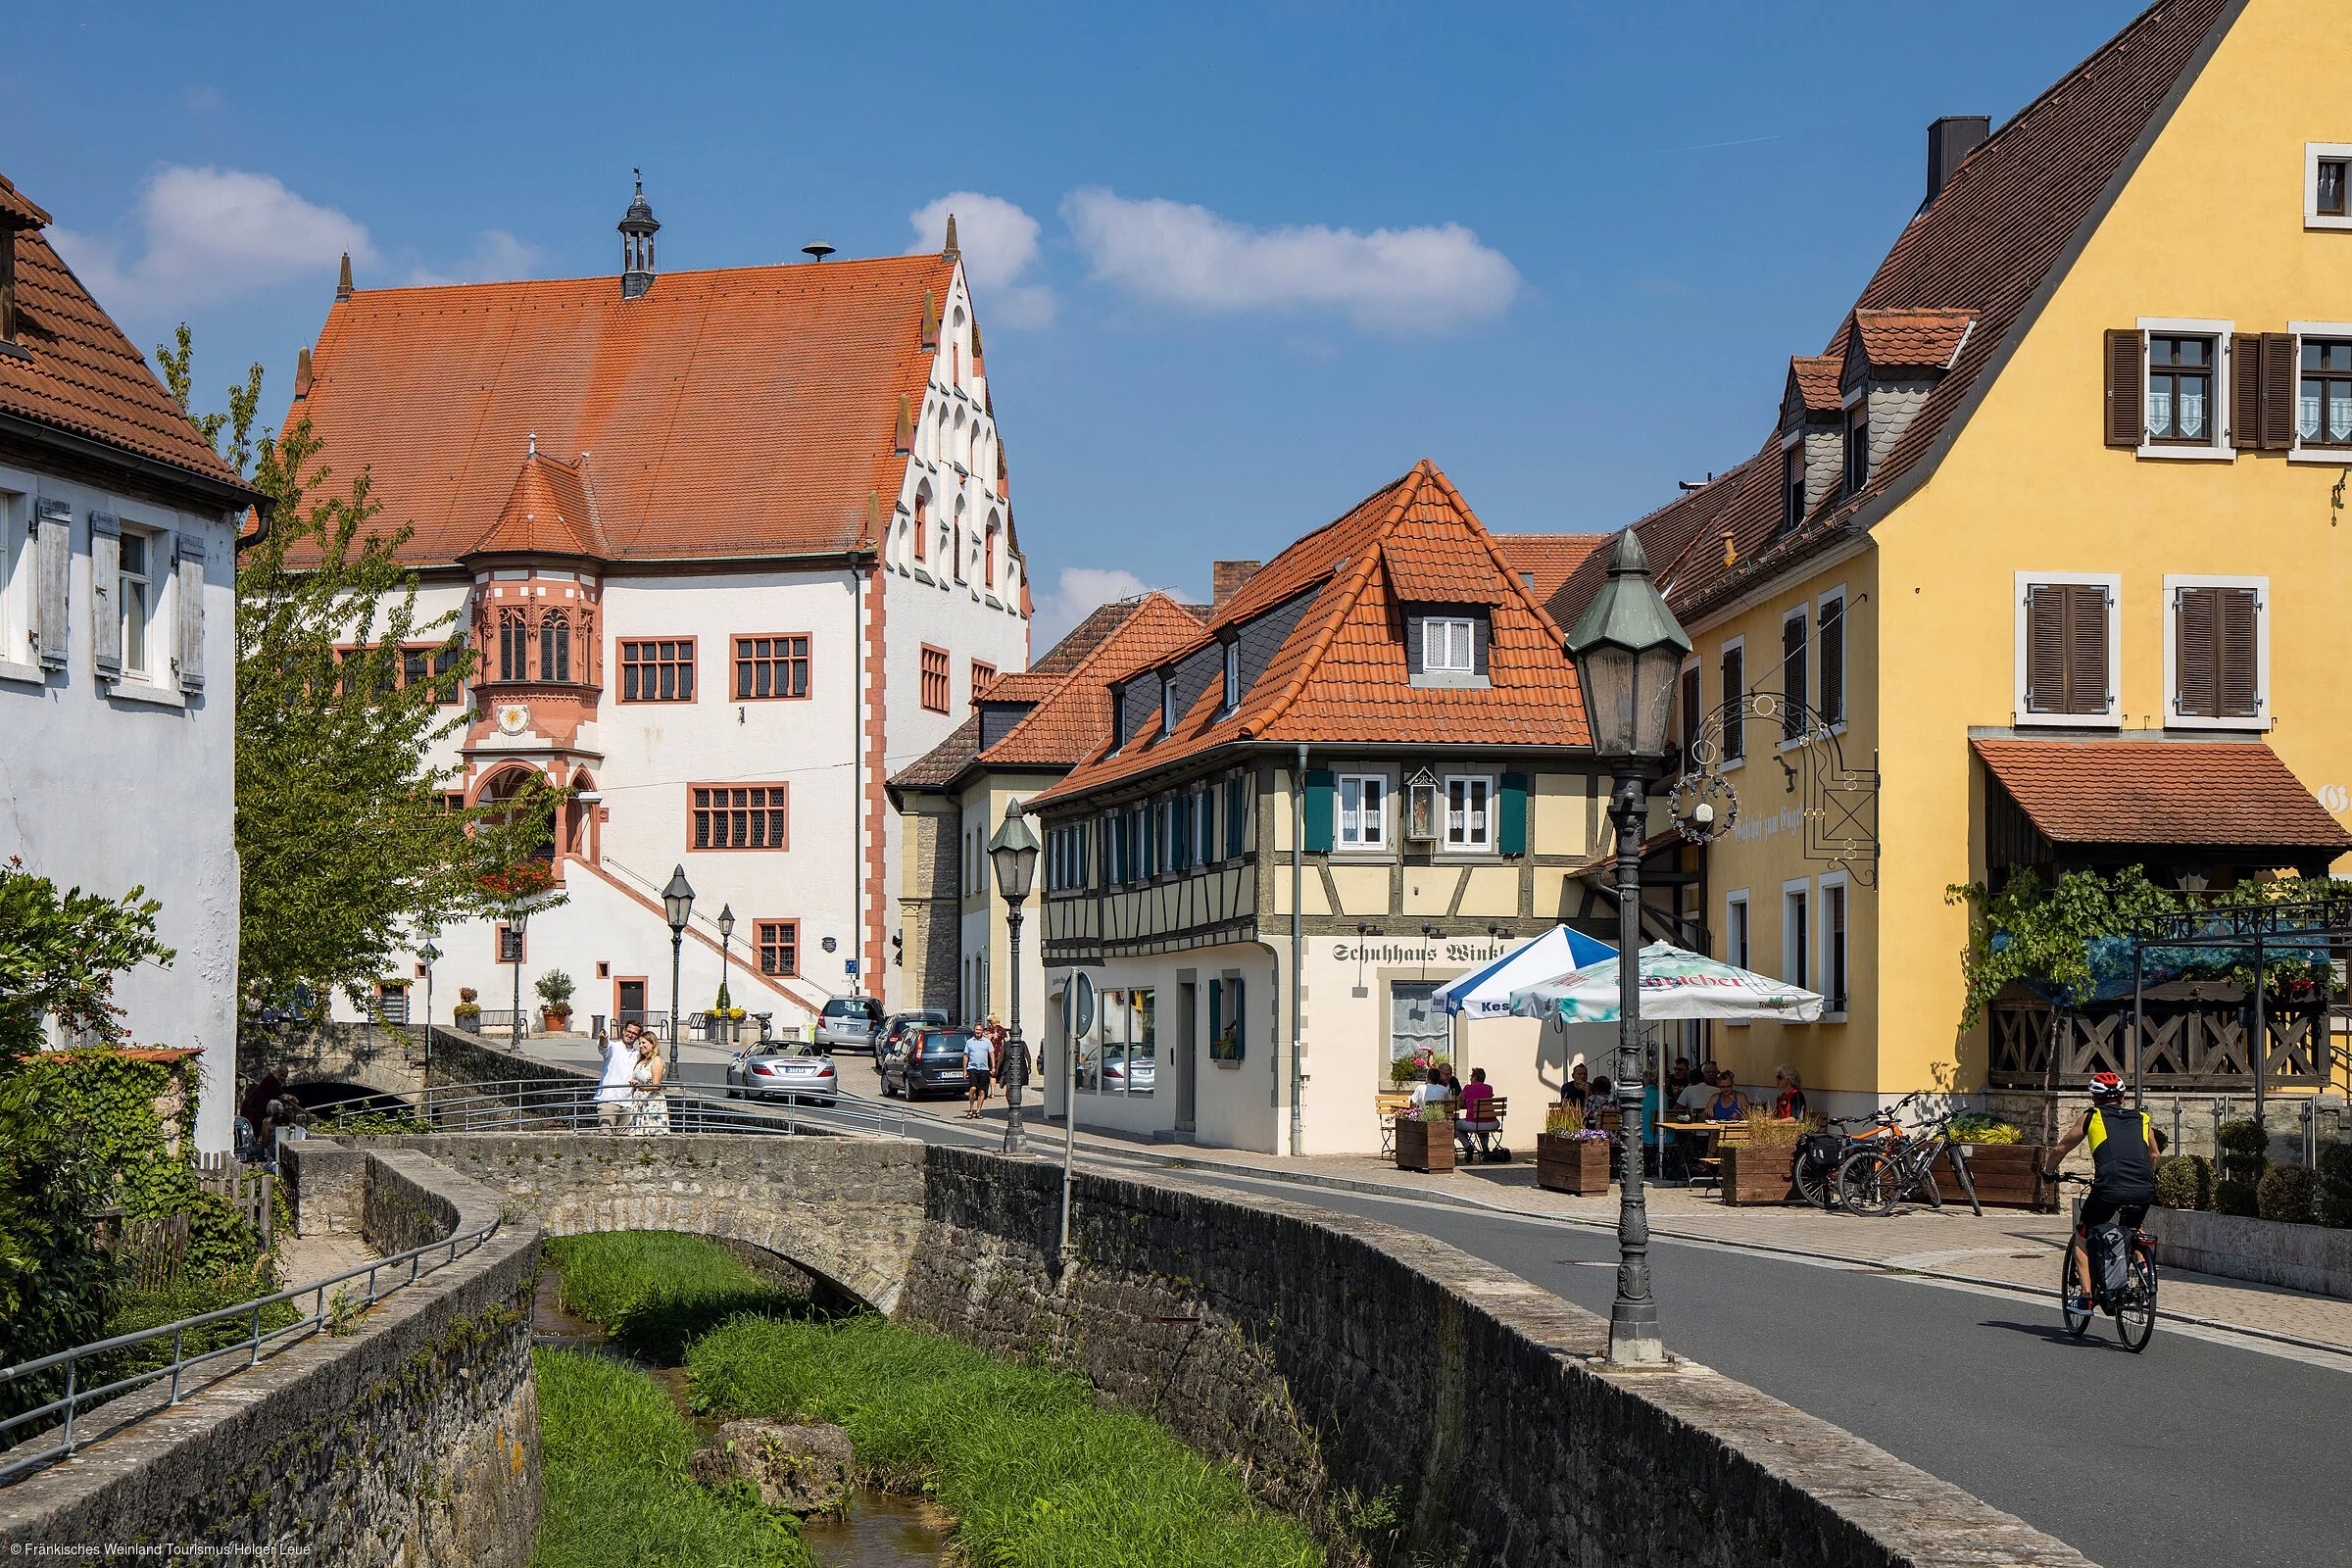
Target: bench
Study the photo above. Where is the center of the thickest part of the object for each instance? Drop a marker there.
(1388, 1105)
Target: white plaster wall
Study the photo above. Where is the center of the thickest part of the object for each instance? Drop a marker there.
(1235, 1104)
(107, 794)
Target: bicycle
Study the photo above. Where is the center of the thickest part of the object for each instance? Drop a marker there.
(1819, 1154)
(1873, 1180)
(2134, 1307)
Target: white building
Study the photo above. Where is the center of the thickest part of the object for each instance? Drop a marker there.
(117, 647)
(732, 546)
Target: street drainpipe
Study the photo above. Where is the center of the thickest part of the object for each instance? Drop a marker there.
(1298, 946)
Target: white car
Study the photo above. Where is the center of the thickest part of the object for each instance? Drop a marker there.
(849, 1023)
(783, 1069)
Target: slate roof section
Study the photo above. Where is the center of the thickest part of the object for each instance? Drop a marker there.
(750, 412)
(547, 512)
(2009, 217)
(2227, 794)
(1340, 675)
(1543, 560)
(79, 373)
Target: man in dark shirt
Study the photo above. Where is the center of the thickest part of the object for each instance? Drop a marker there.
(2123, 1150)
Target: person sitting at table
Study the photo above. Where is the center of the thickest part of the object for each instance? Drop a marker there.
(1678, 1079)
(1475, 1131)
(1789, 1103)
(1603, 1100)
(1578, 1089)
(1728, 1103)
(1431, 1090)
(1693, 1100)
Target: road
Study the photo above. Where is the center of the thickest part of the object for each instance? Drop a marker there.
(2200, 1453)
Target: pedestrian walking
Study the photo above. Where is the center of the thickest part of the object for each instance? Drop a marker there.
(615, 1092)
(979, 1065)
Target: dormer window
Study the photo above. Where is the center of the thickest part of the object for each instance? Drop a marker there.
(1168, 704)
(1446, 644)
(1233, 673)
(1857, 447)
(1793, 487)
(1118, 718)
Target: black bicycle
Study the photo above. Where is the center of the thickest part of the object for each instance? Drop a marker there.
(2134, 1306)
(1819, 1154)
(1875, 1178)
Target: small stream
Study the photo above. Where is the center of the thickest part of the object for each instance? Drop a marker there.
(882, 1530)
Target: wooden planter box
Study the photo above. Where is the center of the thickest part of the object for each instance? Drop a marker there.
(2004, 1174)
(1579, 1165)
(1424, 1145)
(1758, 1175)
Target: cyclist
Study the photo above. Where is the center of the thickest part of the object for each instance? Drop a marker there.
(2122, 1184)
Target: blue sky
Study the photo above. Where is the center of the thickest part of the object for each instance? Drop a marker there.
(1238, 265)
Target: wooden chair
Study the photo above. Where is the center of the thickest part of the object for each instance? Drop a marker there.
(1388, 1105)
(1709, 1165)
(1491, 1124)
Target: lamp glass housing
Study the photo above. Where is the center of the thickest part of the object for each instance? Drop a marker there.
(677, 899)
(1013, 852)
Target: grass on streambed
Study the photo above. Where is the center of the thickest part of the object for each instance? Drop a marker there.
(616, 1488)
(1036, 1473)
(655, 1291)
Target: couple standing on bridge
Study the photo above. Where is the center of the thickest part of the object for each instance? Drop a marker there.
(628, 1095)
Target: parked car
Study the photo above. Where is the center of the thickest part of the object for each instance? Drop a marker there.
(903, 1024)
(927, 1063)
(783, 1069)
(849, 1023)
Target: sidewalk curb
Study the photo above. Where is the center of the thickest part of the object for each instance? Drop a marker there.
(1393, 1192)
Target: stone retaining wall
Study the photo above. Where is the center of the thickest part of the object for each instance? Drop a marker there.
(413, 1440)
(2301, 1257)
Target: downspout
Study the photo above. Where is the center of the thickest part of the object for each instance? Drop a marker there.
(1298, 944)
(858, 823)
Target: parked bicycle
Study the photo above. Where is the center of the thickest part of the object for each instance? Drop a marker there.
(1819, 1154)
(2123, 1287)
(1875, 1178)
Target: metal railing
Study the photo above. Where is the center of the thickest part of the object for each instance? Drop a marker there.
(555, 1104)
(394, 1273)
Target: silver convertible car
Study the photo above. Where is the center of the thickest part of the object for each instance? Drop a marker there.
(783, 1069)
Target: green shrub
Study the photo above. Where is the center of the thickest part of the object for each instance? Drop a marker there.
(2285, 1194)
(1974, 1127)
(2245, 1151)
(2185, 1181)
(2334, 1203)
(655, 1290)
(1034, 1470)
(2233, 1196)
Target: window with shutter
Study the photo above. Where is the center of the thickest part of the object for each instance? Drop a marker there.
(2126, 373)
(1830, 643)
(2322, 410)
(1734, 686)
(1691, 715)
(1793, 676)
(2217, 652)
(2067, 668)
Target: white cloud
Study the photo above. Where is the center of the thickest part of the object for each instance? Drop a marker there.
(206, 234)
(497, 255)
(1426, 279)
(1076, 593)
(204, 100)
(999, 242)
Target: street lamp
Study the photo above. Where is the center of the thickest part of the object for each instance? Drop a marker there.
(1013, 851)
(1628, 649)
(726, 932)
(518, 915)
(677, 903)
(431, 956)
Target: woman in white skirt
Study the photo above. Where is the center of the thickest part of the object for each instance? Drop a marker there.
(649, 1106)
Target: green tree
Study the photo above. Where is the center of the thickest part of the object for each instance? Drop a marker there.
(349, 849)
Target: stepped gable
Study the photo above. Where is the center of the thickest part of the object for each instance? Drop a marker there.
(741, 413)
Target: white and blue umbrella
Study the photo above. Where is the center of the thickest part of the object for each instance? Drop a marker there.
(1675, 983)
(1487, 992)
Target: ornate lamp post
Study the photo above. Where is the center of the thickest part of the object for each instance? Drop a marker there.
(677, 904)
(1013, 851)
(518, 915)
(1629, 649)
(431, 956)
(726, 934)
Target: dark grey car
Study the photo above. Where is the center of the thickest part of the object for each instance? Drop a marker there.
(928, 1064)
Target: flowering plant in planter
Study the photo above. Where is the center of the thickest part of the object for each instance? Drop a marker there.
(468, 1010)
(1440, 1111)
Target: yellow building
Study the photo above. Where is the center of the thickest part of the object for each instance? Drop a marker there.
(2037, 566)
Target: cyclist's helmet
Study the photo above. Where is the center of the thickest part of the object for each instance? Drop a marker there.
(2106, 1088)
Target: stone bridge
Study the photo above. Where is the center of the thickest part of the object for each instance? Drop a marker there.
(380, 1058)
(1327, 1358)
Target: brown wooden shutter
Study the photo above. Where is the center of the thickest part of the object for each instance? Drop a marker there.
(2087, 648)
(2195, 681)
(2245, 391)
(1831, 638)
(2235, 636)
(1793, 676)
(2046, 648)
(2277, 377)
(2127, 414)
(1734, 687)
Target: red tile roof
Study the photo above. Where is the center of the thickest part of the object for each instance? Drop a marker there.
(82, 376)
(1911, 340)
(1816, 377)
(2235, 793)
(1340, 676)
(547, 512)
(1543, 560)
(2010, 216)
(745, 411)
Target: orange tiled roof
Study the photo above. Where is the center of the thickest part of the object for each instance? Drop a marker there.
(2008, 217)
(1543, 560)
(1341, 677)
(745, 411)
(2235, 793)
(547, 512)
(1816, 377)
(1911, 340)
(82, 375)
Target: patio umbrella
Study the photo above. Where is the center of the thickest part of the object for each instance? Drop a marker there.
(1675, 983)
(1487, 992)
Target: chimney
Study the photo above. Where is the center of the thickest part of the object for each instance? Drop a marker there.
(1228, 577)
(343, 278)
(1950, 139)
(302, 376)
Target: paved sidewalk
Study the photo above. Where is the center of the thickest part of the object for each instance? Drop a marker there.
(305, 1260)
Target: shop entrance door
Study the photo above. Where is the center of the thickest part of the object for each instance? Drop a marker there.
(1188, 1045)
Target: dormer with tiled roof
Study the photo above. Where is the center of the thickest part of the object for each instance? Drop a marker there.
(548, 514)
(1812, 437)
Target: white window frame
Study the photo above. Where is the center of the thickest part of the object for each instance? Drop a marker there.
(1167, 706)
(155, 634)
(1469, 627)
(1339, 812)
(2217, 449)
(1795, 951)
(2312, 152)
(19, 652)
(2172, 582)
(1738, 916)
(1725, 762)
(2332, 457)
(1826, 943)
(1233, 673)
(1484, 845)
(1845, 652)
(1802, 613)
(2113, 718)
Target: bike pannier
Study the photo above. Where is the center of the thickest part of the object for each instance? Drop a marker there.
(1819, 1152)
(2110, 1260)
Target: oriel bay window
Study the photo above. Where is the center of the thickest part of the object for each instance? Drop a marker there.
(2216, 648)
(737, 816)
(2067, 649)
(514, 644)
(554, 645)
